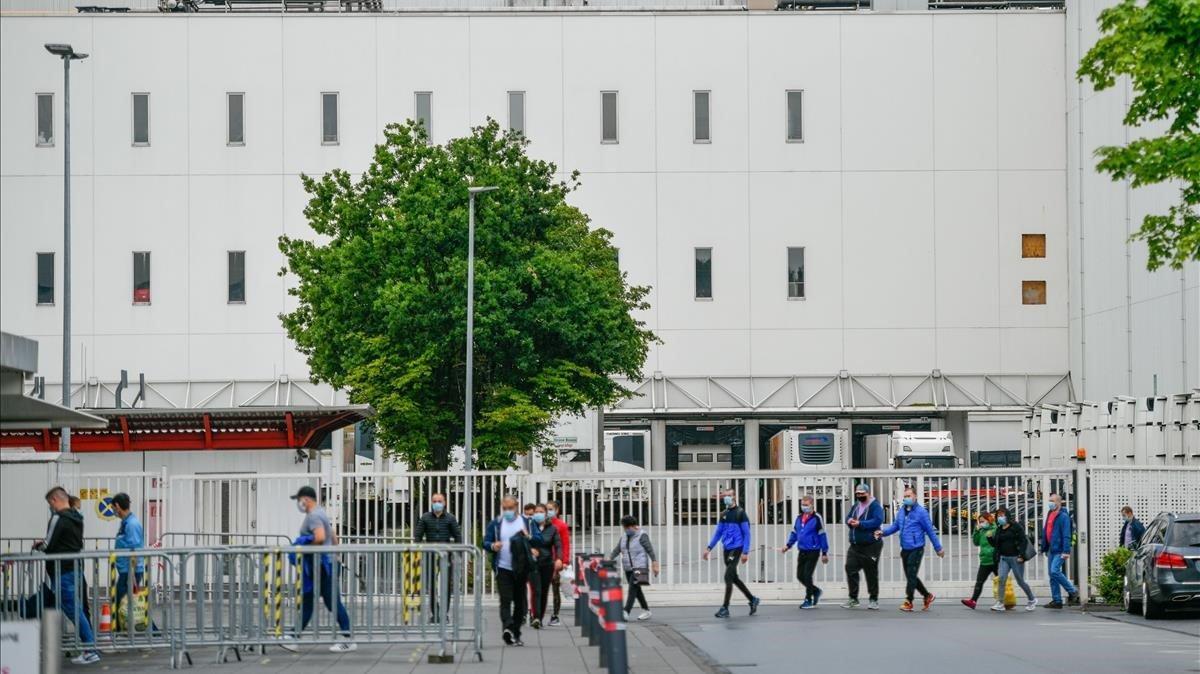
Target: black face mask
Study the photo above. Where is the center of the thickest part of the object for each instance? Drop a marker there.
(862, 498)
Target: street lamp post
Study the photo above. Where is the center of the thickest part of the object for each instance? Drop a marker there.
(67, 54)
(469, 415)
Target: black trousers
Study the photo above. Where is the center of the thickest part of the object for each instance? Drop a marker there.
(556, 584)
(732, 559)
(512, 588)
(543, 578)
(864, 557)
(635, 593)
(981, 577)
(912, 565)
(805, 566)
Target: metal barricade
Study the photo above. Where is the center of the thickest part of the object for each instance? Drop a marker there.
(191, 539)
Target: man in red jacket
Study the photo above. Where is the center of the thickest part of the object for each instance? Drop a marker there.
(554, 512)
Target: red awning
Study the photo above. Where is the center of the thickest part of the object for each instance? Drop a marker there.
(153, 430)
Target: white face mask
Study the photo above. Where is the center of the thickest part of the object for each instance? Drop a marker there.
(300, 506)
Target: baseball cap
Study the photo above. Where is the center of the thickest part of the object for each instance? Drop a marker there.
(306, 491)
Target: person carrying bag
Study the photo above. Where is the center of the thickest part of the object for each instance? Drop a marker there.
(636, 553)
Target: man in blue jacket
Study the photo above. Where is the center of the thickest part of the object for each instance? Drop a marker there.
(733, 532)
(864, 518)
(808, 535)
(1056, 545)
(507, 540)
(1132, 529)
(913, 524)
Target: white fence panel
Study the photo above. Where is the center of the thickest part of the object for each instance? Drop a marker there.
(1148, 490)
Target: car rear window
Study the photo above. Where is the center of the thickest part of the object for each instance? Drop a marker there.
(1185, 534)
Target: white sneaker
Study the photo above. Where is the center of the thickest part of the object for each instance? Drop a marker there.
(626, 614)
(343, 647)
(288, 643)
(644, 615)
(1031, 605)
(86, 658)
(998, 606)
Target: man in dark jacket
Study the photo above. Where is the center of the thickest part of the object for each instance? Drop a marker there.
(864, 519)
(64, 535)
(507, 540)
(1132, 529)
(1056, 545)
(437, 526)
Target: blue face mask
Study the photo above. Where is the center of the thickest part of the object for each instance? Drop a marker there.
(510, 515)
(805, 509)
(539, 517)
(1002, 520)
(908, 500)
(551, 512)
(438, 506)
(1051, 505)
(727, 500)
(630, 532)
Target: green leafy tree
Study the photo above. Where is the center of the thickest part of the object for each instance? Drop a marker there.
(382, 296)
(1156, 43)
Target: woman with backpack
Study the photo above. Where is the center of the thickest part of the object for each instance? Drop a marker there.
(638, 560)
(982, 538)
(1013, 550)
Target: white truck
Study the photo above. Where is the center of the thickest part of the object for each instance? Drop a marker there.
(625, 453)
(911, 450)
(810, 453)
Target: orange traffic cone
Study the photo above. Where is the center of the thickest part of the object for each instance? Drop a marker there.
(105, 618)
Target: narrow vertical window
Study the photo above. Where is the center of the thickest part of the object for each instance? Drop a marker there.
(795, 116)
(608, 114)
(704, 273)
(423, 112)
(237, 276)
(795, 273)
(235, 133)
(700, 116)
(45, 120)
(141, 278)
(516, 111)
(45, 278)
(329, 118)
(141, 119)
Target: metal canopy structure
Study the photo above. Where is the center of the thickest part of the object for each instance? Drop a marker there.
(843, 392)
(146, 430)
(18, 360)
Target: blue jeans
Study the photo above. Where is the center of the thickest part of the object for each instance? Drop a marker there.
(66, 595)
(1058, 579)
(307, 603)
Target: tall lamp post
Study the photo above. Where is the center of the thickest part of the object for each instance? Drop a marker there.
(67, 54)
(469, 416)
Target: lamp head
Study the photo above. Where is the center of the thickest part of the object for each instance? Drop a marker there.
(477, 190)
(64, 50)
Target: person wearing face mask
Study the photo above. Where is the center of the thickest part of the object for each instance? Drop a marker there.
(64, 534)
(437, 526)
(913, 524)
(733, 532)
(1056, 545)
(808, 535)
(637, 560)
(864, 519)
(549, 550)
(317, 531)
(1011, 543)
(982, 538)
(1132, 529)
(507, 539)
(554, 514)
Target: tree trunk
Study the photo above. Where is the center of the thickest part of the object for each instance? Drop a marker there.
(441, 454)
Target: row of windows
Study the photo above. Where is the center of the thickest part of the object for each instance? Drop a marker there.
(235, 125)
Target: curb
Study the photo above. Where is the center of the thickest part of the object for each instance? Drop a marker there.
(670, 636)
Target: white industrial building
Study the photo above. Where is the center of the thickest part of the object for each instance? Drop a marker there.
(865, 219)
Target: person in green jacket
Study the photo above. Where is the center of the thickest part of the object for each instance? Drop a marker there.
(982, 538)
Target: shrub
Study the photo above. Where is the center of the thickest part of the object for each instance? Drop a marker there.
(1110, 585)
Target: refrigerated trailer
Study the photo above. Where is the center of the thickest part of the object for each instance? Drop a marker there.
(807, 452)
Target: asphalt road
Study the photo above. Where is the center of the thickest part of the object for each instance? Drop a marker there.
(949, 638)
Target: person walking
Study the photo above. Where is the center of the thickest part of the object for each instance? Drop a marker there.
(130, 536)
(1056, 545)
(1132, 529)
(549, 551)
(554, 514)
(982, 539)
(64, 535)
(733, 533)
(437, 526)
(914, 526)
(316, 530)
(507, 541)
(1012, 546)
(638, 560)
(864, 519)
(808, 535)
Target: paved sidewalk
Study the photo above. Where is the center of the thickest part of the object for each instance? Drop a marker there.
(653, 649)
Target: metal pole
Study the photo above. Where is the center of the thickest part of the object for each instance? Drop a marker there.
(65, 438)
(469, 420)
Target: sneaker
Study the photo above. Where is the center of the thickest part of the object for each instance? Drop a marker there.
(288, 643)
(86, 658)
(343, 647)
(508, 637)
(1055, 604)
(625, 614)
(873, 605)
(907, 606)
(850, 603)
(722, 612)
(1073, 599)
(554, 621)
(969, 603)
(808, 603)
(816, 598)
(1031, 604)
(998, 607)
(754, 602)
(928, 601)
(517, 641)
(535, 624)
(644, 615)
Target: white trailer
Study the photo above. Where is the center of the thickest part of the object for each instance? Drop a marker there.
(809, 451)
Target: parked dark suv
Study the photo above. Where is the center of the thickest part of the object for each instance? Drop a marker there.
(1164, 571)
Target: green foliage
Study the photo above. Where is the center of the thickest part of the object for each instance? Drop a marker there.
(382, 296)
(1110, 584)
(1156, 43)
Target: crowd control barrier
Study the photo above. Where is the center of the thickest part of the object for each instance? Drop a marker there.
(599, 609)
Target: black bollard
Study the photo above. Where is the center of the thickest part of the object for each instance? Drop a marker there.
(613, 652)
(577, 594)
(594, 629)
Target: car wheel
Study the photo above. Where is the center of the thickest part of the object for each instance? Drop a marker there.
(1127, 599)
(1150, 608)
